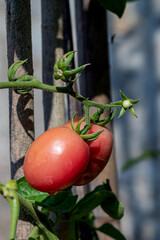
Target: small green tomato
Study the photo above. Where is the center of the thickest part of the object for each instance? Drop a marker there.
(126, 104)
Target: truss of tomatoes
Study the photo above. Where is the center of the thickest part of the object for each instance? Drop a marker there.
(59, 158)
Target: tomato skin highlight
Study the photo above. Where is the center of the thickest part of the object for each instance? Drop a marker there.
(55, 160)
(100, 151)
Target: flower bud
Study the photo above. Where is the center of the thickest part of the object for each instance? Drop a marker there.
(126, 103)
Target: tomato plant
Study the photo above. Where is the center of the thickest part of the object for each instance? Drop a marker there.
(55, 160)
(65, 156)
(100, 151)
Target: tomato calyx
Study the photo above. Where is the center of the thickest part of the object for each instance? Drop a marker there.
(95, 118)
(62, 68)
(83, 132)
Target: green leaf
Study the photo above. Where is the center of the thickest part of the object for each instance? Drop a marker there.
(111, 231)
(34, 234)
(38, 218)
(103, 196)
(112, 206)
(115, 6)
(90, 201)
(62, 202)
(26, 191)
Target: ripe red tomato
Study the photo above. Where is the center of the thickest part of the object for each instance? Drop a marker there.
(55, 160)
(100, 151)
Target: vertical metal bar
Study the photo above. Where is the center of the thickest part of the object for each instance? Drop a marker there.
(53, 45)
(19, 47)
(89, 24)
(52, 50)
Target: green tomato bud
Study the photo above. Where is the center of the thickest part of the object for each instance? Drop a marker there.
(126, 103)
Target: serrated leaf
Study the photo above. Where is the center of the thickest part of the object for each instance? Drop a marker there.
(26, 191)
(115, 6)
(111, 231)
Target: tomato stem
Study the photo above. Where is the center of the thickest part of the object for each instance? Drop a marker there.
(26, 83)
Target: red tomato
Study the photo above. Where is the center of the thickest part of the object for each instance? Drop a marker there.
(55, 160)
(100, 151)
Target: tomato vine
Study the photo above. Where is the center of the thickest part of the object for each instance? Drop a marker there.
(75, 212)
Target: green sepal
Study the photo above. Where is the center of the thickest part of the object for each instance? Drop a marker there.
(107, 119)
(68, 73)
(24, 77)
(123, 96)
(62, 77)
(56, 76)
(91, 139)
(116, 104)
(56, 67)
(95, 116)
(72, 123)
(94, 136)
(77, 129)
(122, 112)
(134, 101)
(75, 79)
(132, 111)
(13, 69)
(85, 129)
(65, 60)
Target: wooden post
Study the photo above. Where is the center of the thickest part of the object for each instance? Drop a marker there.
(21, 106)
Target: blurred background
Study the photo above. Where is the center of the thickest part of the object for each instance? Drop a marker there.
(134, 44)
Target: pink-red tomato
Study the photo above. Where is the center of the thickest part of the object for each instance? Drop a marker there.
(55, 160)
(100, 151)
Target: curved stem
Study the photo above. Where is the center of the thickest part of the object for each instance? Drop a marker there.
(35, 83)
